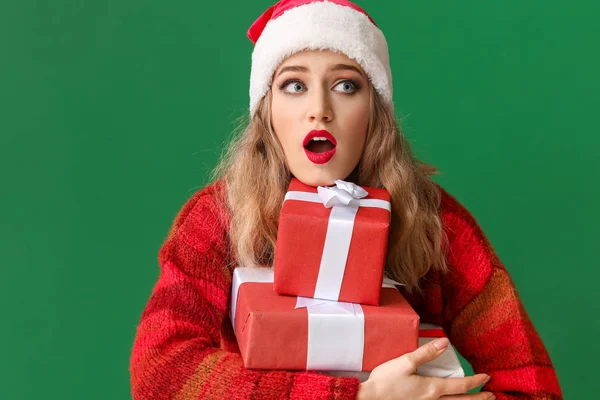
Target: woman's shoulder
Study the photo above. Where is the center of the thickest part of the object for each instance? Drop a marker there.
(450, 206)
(205, 209)
(460, 225)
(210, 195)
(464, 233)
(454, 214)
(198, 233)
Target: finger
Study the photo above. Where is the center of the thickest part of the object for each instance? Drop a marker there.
(425, 353)
(473, 396)
(450, 386)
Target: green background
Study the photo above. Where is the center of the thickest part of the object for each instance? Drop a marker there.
(114, 112)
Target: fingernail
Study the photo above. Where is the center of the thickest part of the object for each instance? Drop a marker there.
(492, 397)
(441, 343)
(487, 379)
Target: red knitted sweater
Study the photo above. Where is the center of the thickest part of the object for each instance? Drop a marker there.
(185, 347)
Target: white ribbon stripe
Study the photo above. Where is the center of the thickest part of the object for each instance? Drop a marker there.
(336, 335)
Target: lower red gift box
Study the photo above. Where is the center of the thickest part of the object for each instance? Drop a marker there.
(298, 333)
(447, 365)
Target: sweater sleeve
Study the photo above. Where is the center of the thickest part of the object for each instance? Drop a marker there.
(179, 350)
(487, 321)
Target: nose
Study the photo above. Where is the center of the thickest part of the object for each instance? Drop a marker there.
(320, 108)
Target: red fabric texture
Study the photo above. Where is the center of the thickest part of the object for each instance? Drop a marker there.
(282, 6)
(185, 348)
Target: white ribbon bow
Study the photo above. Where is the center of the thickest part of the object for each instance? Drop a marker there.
(343, 193)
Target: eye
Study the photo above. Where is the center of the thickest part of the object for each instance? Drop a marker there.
(293, 87)
(348, 86)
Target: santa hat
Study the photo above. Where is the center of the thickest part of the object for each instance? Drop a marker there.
(291, 26)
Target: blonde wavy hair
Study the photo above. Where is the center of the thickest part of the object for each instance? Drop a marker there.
(257, 177)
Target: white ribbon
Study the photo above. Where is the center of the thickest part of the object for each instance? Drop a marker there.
(390, 283)
(336, 334)
(344, 199)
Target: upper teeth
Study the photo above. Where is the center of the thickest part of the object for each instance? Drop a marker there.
(319, 138)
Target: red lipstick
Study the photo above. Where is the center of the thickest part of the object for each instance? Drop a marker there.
(319, 158)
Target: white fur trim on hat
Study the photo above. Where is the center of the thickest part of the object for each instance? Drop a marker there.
(319, 26)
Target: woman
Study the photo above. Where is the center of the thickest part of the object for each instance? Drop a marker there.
(324, 66)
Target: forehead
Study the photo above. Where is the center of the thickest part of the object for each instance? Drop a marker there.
(318, 57)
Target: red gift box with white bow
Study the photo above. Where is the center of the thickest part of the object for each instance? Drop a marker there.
(332, 242)
(299, 333)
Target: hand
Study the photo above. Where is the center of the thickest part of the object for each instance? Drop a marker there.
(397, 379)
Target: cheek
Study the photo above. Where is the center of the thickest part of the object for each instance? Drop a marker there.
(278, 118)
(281, 118)
(356, 121)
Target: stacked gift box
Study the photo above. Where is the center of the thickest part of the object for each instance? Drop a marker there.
(326, 304)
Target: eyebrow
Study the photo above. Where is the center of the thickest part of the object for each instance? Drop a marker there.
(336, 67)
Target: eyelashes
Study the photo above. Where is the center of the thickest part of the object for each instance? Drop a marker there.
(289, 82)
(355, 85)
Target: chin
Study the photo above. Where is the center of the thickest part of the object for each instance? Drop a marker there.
(314, 181)
(324, 174)
(318, 178)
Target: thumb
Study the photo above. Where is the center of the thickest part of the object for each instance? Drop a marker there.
(427, 352)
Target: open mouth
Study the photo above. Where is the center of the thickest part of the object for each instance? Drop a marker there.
(319, 145)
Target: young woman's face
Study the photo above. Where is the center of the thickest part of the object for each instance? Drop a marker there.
(320, 111)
